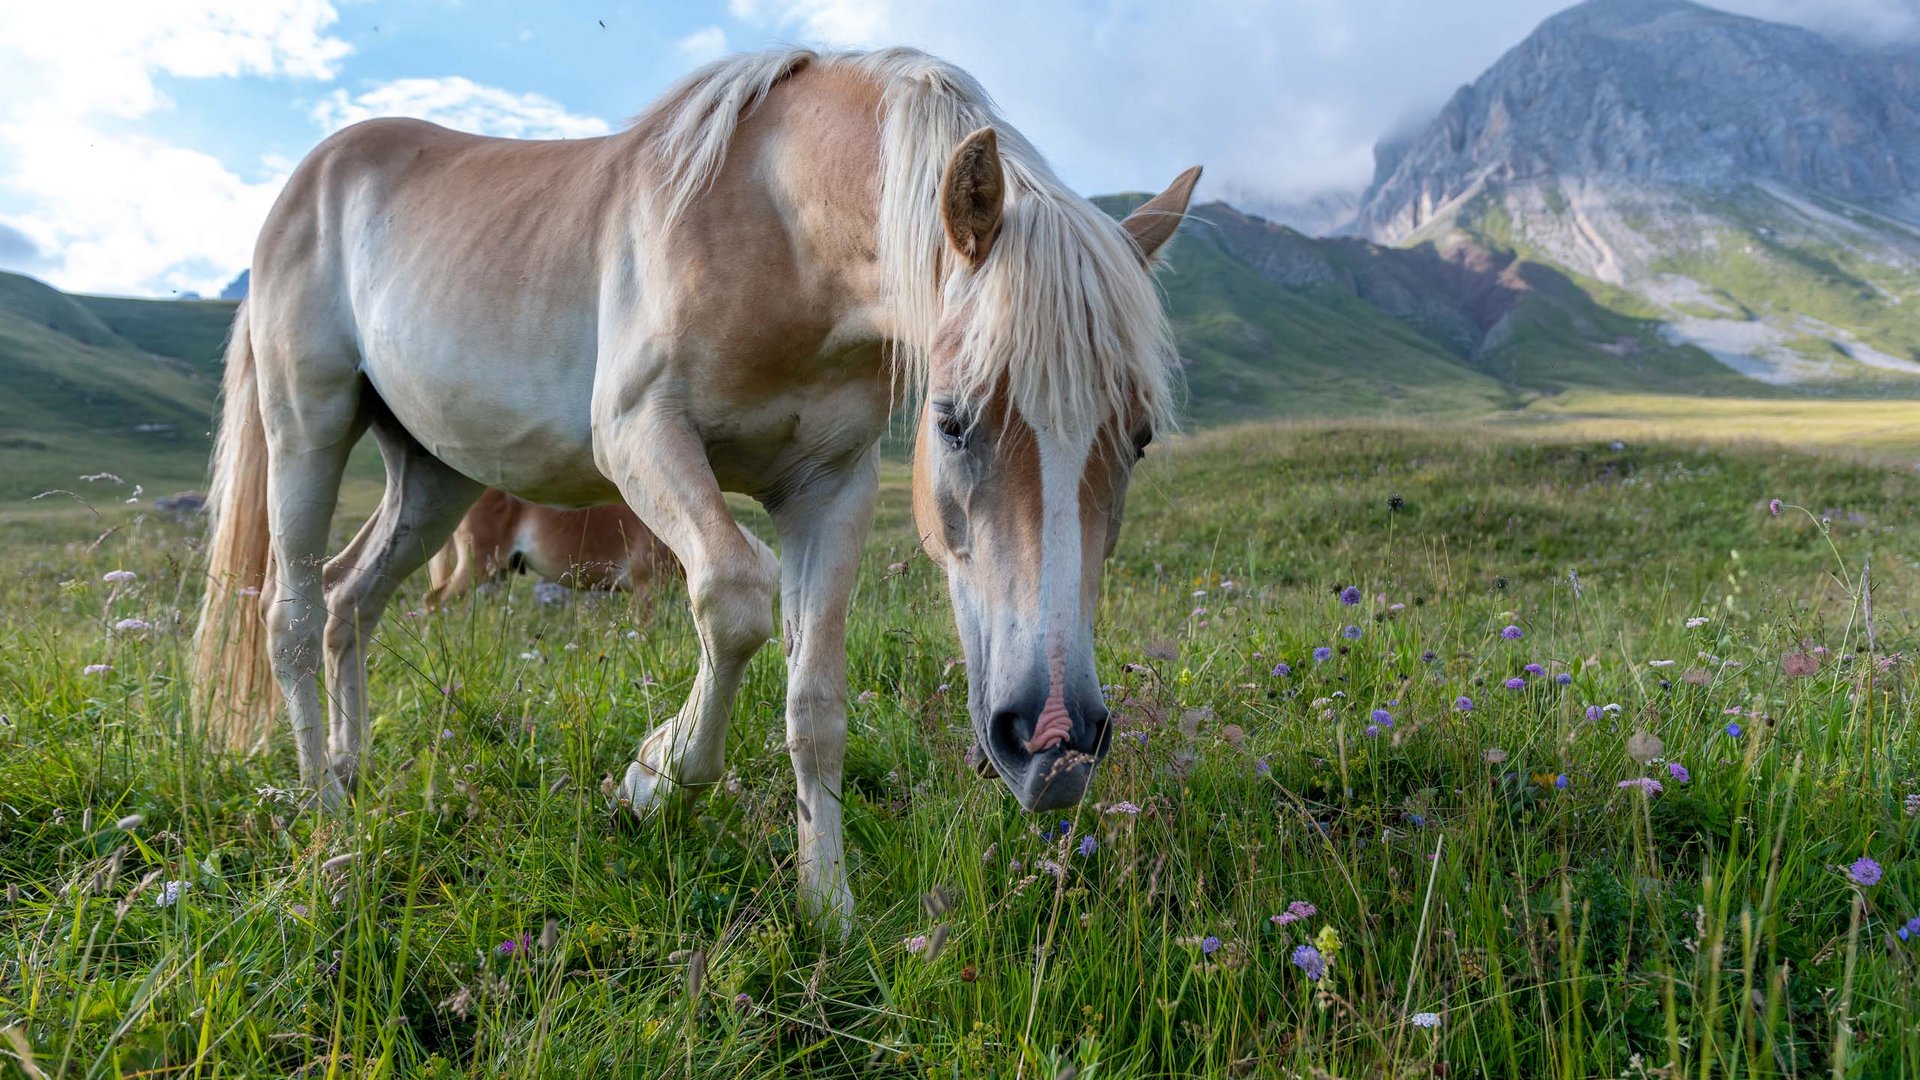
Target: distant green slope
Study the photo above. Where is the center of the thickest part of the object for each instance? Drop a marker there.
(91, 385)
(1275, 323)
(190, 330)
(1785, 287)
(1256, 348)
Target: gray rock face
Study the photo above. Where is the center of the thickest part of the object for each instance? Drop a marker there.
(1662, 92)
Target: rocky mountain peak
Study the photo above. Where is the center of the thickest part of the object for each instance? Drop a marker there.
(1661, 92)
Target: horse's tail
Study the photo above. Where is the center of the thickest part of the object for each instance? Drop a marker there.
(232, 678)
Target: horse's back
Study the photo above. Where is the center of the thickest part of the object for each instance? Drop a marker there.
(461, 272)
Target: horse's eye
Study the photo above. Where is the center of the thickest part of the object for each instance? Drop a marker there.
(1140, 442)
(953, 429)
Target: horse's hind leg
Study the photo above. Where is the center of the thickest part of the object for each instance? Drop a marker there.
(311, 414)
(423, 504)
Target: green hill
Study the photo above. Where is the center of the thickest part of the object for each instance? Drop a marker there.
(1278, 323)
(96, 384)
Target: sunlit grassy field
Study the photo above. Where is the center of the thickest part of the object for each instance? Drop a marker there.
(1608, 770)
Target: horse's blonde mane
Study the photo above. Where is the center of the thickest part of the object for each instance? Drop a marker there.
(1063, 313)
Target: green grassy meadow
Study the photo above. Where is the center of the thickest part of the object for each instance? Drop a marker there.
(1487, 898)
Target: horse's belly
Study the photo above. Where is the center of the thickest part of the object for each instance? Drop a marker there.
(518, 423)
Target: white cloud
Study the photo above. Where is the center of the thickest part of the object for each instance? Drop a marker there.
(133, 215)
(112, 211)
(701, 46)
(462, 104)
(101, 56)
(834, 22)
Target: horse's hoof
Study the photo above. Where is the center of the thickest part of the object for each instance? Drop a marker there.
(345, 775)
(331, 796)
(644, 790)
(829, 905)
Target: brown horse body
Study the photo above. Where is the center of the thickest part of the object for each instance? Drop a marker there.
(599, 547)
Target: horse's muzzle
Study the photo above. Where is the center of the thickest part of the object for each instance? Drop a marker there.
(1049, 772)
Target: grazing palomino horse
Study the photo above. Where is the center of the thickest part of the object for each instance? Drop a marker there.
(599, 547)
(729, 295)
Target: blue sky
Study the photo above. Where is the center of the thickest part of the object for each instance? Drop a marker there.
(141, 142)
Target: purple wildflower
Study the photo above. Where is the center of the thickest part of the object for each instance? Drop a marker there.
(1864, 871)
(1560, 782)
(1513, 633)
(1678, 772)
(1734, 730)
(1351, 633)
(1282, 669)
(1323, 653)
(1129, 808)
(96, 669)
(1647, 785)
(1595, 712)
(1350, 595)
(1383, 717)
(1534, 669)
(1210, 945)
(1296, 911)
(1373, 731)
(1516, 683)
(1463, 703)
(1262, 767)
(1563, 679)
(1308, 959)
(132, 625)
(514, 945)
(1088, 845)
(1774, 507)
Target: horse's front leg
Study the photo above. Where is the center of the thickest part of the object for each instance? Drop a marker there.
(662, 469)
(822, 530)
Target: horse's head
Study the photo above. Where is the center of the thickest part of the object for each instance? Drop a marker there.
(1045, 382)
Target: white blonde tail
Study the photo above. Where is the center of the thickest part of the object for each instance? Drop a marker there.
(233, 688)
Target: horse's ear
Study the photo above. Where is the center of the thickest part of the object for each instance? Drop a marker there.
(973, 196)
(1153, 224)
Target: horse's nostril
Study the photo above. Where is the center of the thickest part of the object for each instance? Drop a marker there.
(1102, 721)
(1005, 732)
